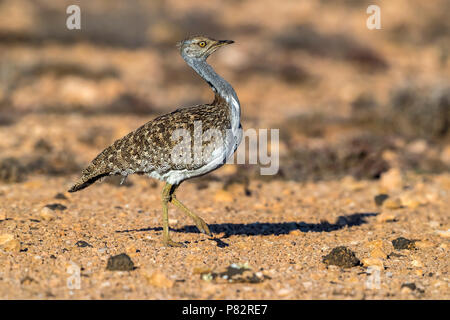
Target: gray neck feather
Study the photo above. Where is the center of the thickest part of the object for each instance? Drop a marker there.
(217, 83)
(225, 90)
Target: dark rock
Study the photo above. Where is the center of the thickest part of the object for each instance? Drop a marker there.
(412, 286)
(341, 257)
(60, 196)
(380, 198)
(403, 243)
(120, 262)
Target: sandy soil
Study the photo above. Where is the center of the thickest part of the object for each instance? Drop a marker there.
(364, 152)
(281, 231)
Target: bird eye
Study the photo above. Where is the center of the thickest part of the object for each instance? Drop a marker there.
(202, 44)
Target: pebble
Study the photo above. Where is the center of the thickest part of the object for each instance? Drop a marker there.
(424, 244)
(12, 246)
(157, 279)
(392, 204)
(83, 244)
(380, 198)
(410, 202)
(120, 262)
(341, 257)
(378, 253)
(60, 196)
(56, 206)
(444, 233)
(223, 196)
(417, 146)
(202, 270)
(352, 185)
(284, 292)
(46, 214)
(403, 243)
(131, 250)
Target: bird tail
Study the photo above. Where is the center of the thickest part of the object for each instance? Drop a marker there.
(88, 177)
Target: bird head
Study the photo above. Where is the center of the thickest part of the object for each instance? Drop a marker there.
(200, 47)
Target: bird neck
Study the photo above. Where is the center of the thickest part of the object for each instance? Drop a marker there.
(218, 84)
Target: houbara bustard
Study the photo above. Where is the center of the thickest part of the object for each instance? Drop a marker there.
(150, 149)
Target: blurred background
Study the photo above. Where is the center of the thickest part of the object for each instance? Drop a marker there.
(348, 101)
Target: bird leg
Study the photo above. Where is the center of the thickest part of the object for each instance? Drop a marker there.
(199, 222)
(166, 198)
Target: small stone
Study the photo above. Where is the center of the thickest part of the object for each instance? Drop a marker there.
(295, 232)
(60, 196)
(46, 214)
(444, 233)
(417, 146)
(373, 262)
(410, 202)
(12, 246)
(6, 237)
(158, 279)
(380, 198)
(375, 244)
(419, 272)
(284, 292)
(386, 217)
(341, 257)
(223, 196)
(378, 253)
(392, 204)
(173, 221)
(3, 215)
(82, 244)
(408, 287)
(392, 179)
(423, 244)
(56, 206)
(417, 263)
(403, 243)
(202, 270)
(120, 262)
(131, 251)
(316, 276)
(351, 184)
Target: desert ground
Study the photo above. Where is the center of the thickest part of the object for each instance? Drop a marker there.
(359, 208)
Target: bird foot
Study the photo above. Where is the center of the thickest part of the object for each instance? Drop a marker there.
(203, 226)
(171, 243)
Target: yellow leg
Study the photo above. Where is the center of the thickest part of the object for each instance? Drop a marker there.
(199, 222)
(166, 197)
